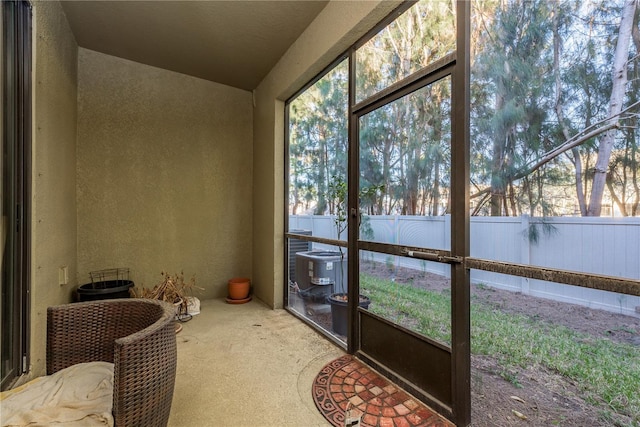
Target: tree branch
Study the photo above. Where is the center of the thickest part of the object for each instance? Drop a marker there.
(572, 142)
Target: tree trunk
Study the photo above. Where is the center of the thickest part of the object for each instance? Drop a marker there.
(619, 77)
(577, 163)
(614, 197)
(635, 34)
(498, 184)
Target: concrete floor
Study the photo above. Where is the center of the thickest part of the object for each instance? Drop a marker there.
(247, 365)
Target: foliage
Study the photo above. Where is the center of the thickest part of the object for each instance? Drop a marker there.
(539, 228)
(607, 372)
(318, 141)
(337, 197)
(542, 94)
(337, 194)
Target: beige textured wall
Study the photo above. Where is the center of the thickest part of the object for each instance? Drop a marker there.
(164, 174)
(54, 169)
(337, 27)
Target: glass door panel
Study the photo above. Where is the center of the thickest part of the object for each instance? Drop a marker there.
(408, 293)
(405, 170)
(405, 178)
(317, 188)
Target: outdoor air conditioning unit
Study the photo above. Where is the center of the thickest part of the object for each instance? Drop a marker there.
(321, 273)
(296, 246)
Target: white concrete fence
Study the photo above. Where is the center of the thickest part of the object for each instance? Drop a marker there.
(606, 246)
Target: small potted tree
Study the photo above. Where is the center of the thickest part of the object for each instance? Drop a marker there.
(337, 195)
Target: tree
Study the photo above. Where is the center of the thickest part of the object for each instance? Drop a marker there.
(318, 141)
(404, 145)
(526, 146)
(546, 115)
(619, 78)
(511, 68)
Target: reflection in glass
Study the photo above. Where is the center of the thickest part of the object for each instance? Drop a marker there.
(423, 34)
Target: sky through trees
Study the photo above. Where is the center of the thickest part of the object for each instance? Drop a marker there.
(555, 90)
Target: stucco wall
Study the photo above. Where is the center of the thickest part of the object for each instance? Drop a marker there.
(54, 169)
(338, 26)
(164, 174)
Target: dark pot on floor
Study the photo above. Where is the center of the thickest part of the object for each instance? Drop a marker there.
(107, 289)
(339, 311)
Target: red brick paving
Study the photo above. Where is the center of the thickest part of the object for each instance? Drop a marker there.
(346, 383)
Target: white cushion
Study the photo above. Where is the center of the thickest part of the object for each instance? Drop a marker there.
(80, 395)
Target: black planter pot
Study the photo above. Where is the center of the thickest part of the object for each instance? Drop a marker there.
(339, 311)
(107, 289)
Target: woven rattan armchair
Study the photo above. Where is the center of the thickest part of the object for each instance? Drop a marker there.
(136, 335)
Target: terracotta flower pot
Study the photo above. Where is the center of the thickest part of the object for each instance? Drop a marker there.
(239, 288)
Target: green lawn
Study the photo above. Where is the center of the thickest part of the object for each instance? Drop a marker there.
(608, 373)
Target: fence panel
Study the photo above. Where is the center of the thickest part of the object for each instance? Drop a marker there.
(606, 246)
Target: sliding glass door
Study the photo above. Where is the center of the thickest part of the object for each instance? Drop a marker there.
(15, 189)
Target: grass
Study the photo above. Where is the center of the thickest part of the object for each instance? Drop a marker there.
(607, 372)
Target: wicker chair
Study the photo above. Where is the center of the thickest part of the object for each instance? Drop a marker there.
(137, 336)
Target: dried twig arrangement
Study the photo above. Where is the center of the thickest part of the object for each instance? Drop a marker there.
(171, 289)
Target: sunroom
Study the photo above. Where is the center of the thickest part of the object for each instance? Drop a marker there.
(460, 178)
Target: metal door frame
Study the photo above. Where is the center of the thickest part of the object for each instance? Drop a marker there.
(447, 388)
(437, 374)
